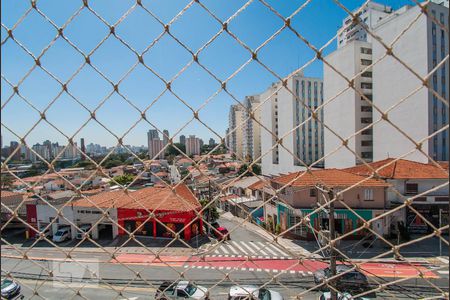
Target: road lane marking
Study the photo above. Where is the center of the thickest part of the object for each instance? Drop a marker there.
(443, 272)
(236, 244)
(262, 247)
(443, 259)
(231, 248)
(270, 250)
(248, 247)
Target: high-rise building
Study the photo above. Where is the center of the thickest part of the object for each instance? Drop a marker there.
(211, 142)
(370, 15)
(385, 84)
(165, 137)
(155, 149)
(183, 139)
(288, 113)
(13, 145)
(192, 145)
(251, 129)
(422, 47)
(235, 125)
(152, 134)
(82, 147)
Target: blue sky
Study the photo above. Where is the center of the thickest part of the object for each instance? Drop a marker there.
(317, 22)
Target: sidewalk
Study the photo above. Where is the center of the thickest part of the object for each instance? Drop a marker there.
(283, 242)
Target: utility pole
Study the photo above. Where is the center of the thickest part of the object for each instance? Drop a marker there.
(332, 237)
(440, 225)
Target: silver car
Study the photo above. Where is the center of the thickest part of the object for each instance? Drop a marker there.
(10, 289)
(181, 290)
(246, 292)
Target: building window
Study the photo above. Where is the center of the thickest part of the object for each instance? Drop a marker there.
(368, 195)
(366, 143)
(366, 85)
(366, 50)
(411, 189)
(441, 18)
(366, 62)
(366, 108)
(367, 155)
(367, 132)
(313, 193)
(367, 74)
(366, 120)
(369, 97)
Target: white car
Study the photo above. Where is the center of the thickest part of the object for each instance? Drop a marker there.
(63, 234)
(181, 290)
(344, 296)
(47, 232)
(247, 292)
(82, 230)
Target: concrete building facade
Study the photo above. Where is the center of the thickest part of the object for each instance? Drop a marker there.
(251, 129)
(235, 126)
(349, 112)
(288, 114)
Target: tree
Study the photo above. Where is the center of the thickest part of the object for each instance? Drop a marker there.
(124, 179)
(210, 212)
(256, 170)
(7, 181)
(171, 150)
(112, 163)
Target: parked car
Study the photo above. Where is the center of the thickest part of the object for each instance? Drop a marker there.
(10, 289)
(47, 232)
(351, 281)
(252, 292)
(82, 230)
(222, 233)
(344, 296)
(63, 234)
(181, 290)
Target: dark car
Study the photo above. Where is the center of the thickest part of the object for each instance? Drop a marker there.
(350, 281)
(10, 289)
(222, 234)
(215, 225)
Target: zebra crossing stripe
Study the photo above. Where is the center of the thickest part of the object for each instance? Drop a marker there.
(249, 248)
(236, 244)
(262, 247)
(281, 252)
(269, 248)
(223, 249)
(443, 272)
(231, 248)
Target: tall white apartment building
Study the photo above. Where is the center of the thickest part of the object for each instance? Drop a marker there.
(422, 48)
(192, 145)
(385, 84)
(235, 126)
(370, 15)
(287, 114)
(251, 129)
(155, 149)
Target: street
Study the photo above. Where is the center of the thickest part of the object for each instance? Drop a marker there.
(247, 258)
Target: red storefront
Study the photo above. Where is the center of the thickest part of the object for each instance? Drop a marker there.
(152, 211)
(185, 223)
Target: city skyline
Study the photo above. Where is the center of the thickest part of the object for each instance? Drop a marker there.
(194, 85)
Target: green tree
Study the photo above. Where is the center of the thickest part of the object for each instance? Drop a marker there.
(6, 181)
(171, 150)
(124, 179)
(256, 170)
(211, 213)
(112, 163)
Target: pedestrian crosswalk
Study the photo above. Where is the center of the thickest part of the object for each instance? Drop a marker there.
(245, 248)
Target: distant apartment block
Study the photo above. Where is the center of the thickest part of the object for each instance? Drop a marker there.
(251, 129)
(235, 126)
(349, 110)
(155, 145)
(288, 114)
(192, 145)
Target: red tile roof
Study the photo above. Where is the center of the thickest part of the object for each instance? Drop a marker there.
(159, 198)
(327, 177)
(401, 169)
(259, 185)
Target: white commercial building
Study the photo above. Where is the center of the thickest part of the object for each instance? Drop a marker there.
(288, 114)
(235, 125)
(251, 129)
(348, 110)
